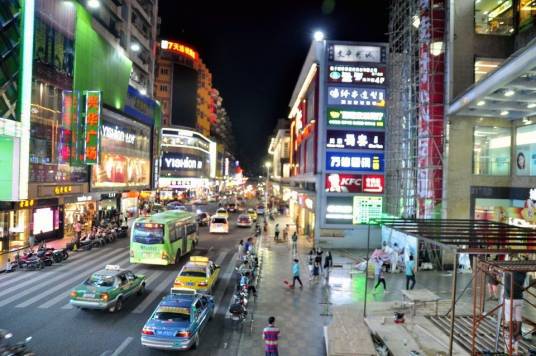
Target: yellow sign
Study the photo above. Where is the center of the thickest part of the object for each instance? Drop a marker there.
(175, 310)
(63, 189)
(179, 48)
(26, 203)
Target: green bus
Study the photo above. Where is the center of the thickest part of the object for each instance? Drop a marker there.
(161, 239)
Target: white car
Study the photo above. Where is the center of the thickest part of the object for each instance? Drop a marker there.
(219, 225)
(244, 220)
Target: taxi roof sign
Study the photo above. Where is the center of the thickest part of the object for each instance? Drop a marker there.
(199, 259)
(113, 267)
(183, 291)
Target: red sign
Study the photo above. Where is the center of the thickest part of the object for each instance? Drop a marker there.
(179, 48)
(93, 106)
(354, 183)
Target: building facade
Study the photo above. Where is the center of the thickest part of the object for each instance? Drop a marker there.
(81, 142)
(337, 138)
(184, 81)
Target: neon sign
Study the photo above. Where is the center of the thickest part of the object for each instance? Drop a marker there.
(360, 140)
(354, 162)
(356, 74)
(93, 116)
(179, 48)
(357, 118)
(356, 96)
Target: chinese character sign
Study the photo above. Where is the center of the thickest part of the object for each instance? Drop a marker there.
(354, 183)
(356, 96)
(77, 130)
(69, 114)
(179, 48)
(356, 75)
(93, 113)
(356, 140)
(356, 53)
(366, 117)
(354, 162)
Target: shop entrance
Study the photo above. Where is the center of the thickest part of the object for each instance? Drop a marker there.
(84, 212)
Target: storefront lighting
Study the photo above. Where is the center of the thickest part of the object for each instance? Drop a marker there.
(531, 105)
(504, 112)
(93, 4)
(509, 92)
(303, 89)
(481, 102)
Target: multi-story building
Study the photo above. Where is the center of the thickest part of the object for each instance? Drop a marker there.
(474, 63)
(183, 81)
(279, 149)
(131, 25)
(337, 137)
(79, 141)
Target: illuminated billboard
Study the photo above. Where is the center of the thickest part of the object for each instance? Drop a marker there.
(362, 74)
(179, 48)
(366, 208)
(366, 117)
(357, 140)
(356, 96)
(354, 183)
(354, 162)
(357, 53)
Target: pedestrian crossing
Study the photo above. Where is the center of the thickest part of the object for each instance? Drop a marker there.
(49, 288)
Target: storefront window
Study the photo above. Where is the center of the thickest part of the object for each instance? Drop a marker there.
(44, 138)
(483, 66)
(525, 164)
(491, 151)
(494, 17)
(527, 12)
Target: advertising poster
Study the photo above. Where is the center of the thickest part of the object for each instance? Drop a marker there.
(357, 140)
(354, 162)
(339, 210)
(520, 212)
(367, 208)
(362, 118)
(523, 160)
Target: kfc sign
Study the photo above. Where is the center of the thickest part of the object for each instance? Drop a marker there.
(354, 183)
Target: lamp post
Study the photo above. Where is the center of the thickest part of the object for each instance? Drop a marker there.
(267, 164)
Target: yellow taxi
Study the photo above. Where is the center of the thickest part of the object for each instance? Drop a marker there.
(252, 214)
(198, 273)
(222, 212)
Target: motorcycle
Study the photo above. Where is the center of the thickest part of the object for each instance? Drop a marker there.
(45, 256)
(18, 349)
(58, 255)
(28, 261)
(238, 308)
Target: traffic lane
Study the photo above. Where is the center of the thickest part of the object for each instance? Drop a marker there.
(94, 332)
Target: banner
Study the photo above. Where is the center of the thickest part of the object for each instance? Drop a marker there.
(92, 127)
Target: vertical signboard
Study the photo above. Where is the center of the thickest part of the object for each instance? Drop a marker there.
(92, 124)
(355, 100)
(431, 108)
(65, 129)
(77, 130)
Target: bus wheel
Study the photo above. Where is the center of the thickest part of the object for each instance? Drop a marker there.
(177, 257)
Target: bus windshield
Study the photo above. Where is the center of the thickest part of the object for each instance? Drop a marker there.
(148, 234)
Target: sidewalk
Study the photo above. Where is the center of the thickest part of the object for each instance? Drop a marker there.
(301, 314)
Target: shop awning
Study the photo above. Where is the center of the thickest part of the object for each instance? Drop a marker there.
(468, 236)
(508, 92)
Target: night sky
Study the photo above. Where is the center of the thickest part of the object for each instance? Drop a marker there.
(255, 50)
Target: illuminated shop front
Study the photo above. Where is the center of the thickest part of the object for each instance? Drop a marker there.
(125, 160)
(81, 209)
(302, 211)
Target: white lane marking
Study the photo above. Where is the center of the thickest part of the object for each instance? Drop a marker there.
(147, 275)
(57, 276)
(65, 293)
(227, 275)
(155, 293)
(27, 274)
(76, 279)
(123, 346)
(220, 258)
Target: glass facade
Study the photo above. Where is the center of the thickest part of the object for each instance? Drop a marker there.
(44, 138)
(525, 159)
(483, 66)
(527, 12)
(491, 151)
(494, 17)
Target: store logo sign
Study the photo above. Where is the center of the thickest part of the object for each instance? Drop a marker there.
(185, 162)
(93, 120)
(362, 140)
(356, 74)
(63, 190)
(356, 96)
(354, 183)
(116, 134)
(357, 162)
(26, 204)
(356, 53)
(84, 198)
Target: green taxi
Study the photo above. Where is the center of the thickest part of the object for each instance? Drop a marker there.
(107, 289)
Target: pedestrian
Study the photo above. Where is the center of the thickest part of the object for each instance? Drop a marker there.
(410, 272)
(513, 306)
(318, 257)
(316, 271)
(296, 273)
(328, 262)
(77, 227)
(294, 243)
(378, 272)
(285, 233)
(241, 250)
(276, 232)
(270, 334)
(31, 240)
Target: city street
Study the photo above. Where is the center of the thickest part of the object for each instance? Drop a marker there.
(37, 303)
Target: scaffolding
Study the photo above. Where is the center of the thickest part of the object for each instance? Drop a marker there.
(414, 153)
(401, 150)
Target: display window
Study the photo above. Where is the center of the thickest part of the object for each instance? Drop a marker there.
(508, 211)
(491, 151)
(525, 153)
(84, 212)
(494, 17)
(14, 229)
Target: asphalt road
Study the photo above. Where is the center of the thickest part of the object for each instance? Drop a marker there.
(37, 303)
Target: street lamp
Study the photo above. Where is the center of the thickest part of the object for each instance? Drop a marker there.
(318, 36)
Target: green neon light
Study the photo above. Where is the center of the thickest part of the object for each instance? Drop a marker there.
(28, 11)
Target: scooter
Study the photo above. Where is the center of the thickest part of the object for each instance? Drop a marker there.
(18, 349)
(238, 308)
(29, 261)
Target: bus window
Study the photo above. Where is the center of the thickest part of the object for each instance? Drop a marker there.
(180, 230)
(191, 229)
(172, 234)
(148, 234)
